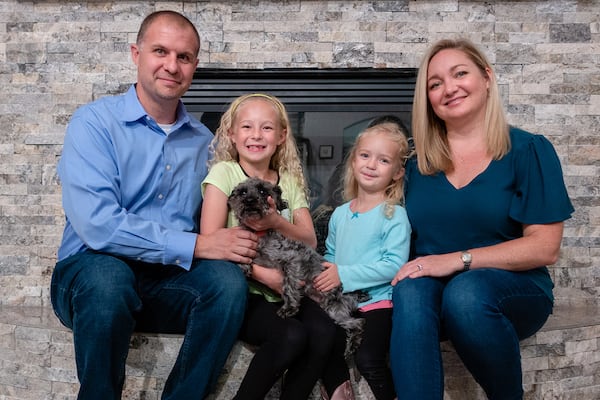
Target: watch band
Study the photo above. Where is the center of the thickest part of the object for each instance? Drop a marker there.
(466, 258)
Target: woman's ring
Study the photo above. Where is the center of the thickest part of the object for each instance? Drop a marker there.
(419, 267)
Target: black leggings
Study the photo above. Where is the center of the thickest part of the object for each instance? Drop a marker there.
(371, 357)
(301, 345)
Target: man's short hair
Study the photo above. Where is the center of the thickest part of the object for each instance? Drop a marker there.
(173, 15)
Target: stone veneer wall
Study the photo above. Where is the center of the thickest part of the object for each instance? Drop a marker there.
(57, 55)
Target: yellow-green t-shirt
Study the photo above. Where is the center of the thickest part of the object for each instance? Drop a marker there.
(226, 175)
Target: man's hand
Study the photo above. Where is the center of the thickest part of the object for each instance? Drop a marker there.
(234, 244)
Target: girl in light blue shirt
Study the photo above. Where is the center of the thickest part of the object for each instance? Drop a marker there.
(368, 241)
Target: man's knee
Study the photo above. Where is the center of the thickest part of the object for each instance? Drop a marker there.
(86, 280)
(225, 279)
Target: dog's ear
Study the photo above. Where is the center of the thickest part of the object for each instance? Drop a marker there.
(237, 191)
(280, 203)
(230, 202)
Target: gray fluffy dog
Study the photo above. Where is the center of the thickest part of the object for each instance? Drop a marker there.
(299, 263)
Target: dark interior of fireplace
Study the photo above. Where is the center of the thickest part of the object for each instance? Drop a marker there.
(327, 109)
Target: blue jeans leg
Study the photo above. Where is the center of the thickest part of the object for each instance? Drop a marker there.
(207, 304)
(486, 312)
(103, 299)
(94, 295)
(415, 355)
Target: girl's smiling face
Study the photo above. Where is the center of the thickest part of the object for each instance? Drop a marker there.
(256, 131)
(376, 163)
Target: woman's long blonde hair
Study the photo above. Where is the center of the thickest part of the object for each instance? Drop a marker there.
(429, 131)
(394, 192)
(284, 160)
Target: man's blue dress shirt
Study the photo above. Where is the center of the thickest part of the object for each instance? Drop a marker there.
(128, 188)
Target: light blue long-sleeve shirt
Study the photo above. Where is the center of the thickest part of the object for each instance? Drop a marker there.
(368, 249)
(128, 188)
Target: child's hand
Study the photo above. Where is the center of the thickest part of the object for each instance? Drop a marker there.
(270, 221)
(328, 279)
(270, 277)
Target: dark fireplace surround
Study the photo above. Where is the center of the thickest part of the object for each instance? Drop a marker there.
(327, 108)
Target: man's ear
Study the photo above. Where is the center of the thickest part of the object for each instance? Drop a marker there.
(135, 53)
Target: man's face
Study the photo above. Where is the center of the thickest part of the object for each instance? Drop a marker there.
(166, 60)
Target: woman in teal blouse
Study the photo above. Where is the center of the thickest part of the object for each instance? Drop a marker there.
(486, 203)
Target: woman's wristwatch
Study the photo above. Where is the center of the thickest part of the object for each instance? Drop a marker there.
(466, 258)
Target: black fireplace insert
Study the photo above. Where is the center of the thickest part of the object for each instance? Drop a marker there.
(327, 108)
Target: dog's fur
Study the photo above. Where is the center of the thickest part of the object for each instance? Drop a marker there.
(299, 263)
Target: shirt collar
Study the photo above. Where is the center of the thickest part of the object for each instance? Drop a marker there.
(134, 111)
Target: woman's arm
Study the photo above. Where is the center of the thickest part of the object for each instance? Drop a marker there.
(539, 246)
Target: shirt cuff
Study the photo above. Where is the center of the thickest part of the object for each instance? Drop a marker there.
(180, 249)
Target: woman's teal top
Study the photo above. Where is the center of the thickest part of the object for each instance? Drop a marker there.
(526, 186)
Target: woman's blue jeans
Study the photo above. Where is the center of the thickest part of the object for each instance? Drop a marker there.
(103, 299)
(483, 312)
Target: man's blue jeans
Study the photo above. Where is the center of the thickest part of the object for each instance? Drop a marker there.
(483, 312)
(103, 299)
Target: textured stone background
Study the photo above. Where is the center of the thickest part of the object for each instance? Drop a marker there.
(57, 55)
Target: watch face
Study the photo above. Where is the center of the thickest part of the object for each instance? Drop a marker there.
(466, 257)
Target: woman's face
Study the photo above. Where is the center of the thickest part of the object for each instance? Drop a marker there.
(456, 88)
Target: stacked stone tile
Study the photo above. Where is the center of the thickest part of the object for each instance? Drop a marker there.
(37, 362)
(55, 56)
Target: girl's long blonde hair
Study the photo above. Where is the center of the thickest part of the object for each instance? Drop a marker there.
(429, 131)
(394, 192)
(284, 160)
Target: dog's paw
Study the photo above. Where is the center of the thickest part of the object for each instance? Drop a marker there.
(359, 296)
(247, 269)
(286, 312)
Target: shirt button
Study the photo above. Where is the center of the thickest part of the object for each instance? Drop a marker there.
(168, 167)
(160, 196)
(177, 262)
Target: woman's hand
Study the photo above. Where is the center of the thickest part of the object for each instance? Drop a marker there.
(271, 277)
(328, 279)
(435, 265)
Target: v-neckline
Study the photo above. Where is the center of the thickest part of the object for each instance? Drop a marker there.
(472, 180)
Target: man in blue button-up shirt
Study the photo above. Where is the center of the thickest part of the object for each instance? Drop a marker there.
(131, 256)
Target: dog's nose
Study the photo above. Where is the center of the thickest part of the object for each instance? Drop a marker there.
(250, 200)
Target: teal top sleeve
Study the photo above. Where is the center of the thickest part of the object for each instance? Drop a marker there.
(540, 195)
